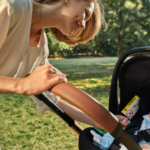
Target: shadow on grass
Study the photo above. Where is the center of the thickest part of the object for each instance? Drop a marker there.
(72, 76)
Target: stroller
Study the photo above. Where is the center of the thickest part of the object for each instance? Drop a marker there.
(133, 75)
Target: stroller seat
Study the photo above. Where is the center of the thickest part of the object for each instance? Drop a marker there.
(134, 80)
(86, 103)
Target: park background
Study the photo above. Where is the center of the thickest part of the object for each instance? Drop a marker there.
(87, 66)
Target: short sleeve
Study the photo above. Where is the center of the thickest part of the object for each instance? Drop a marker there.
(5, 17)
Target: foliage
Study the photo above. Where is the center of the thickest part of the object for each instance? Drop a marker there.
(129, 23)
(56, 48)
(128, 27)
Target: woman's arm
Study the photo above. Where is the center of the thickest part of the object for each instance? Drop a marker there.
(76, 114)
(8, 84)
(41, 79)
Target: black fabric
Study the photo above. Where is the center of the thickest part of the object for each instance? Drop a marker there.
(134, 125)
(142, 90)
(136, 138)
(145, 134)
(144, 104)
(115, 145)
(86, 140)
(134, 71)
(132, 74)
(134, 79)
(142, 135)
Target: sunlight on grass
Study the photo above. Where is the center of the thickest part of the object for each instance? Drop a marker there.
(80, 73)
(97, 87)
(91, 83)
(108, 64)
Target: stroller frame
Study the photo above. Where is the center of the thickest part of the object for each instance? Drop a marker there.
(113, 100)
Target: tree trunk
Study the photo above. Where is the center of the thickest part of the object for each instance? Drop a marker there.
(119, 46)
(120, 36)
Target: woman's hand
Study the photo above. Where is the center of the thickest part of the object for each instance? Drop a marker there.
(145, 146)
(123, 120)
(41, 79)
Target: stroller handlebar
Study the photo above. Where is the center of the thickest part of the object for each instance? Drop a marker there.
(101, 115)
(86, 103)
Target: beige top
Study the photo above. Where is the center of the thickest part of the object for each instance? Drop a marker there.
(17, 58)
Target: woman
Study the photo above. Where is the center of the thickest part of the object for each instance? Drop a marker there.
(23, 45)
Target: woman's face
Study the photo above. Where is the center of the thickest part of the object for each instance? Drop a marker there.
(75, 16)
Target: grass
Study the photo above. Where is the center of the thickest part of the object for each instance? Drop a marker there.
(22, 128)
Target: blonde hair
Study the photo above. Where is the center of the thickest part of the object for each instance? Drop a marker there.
(93, 25)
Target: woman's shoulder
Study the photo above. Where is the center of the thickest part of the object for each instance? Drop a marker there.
(16, 6)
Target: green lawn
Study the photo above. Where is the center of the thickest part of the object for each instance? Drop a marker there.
(22, 128)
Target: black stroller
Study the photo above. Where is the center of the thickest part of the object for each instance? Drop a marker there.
(133, 75)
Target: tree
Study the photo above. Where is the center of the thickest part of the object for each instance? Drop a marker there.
(128, 24)
(128, 27)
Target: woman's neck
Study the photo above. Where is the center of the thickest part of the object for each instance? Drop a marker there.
(44, 16)
(36, 25)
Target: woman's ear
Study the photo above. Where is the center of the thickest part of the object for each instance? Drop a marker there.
(149, 115)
